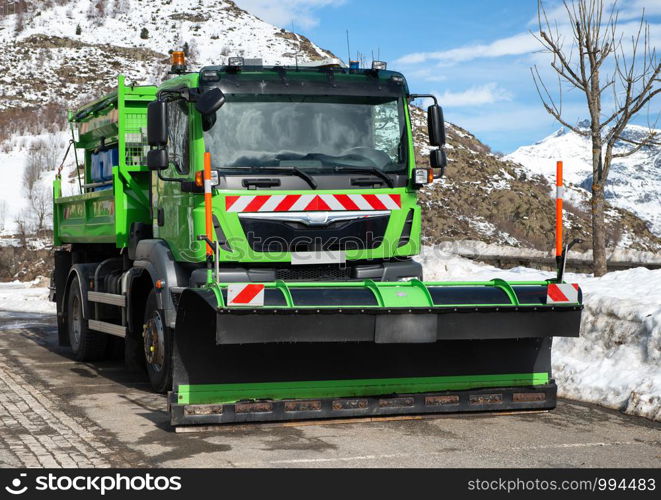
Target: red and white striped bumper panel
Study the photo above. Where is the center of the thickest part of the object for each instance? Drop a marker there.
(245, 294)
(566, 293)
(311, 202)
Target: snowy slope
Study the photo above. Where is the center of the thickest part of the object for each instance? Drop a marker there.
(13, 160)
(45, 60)
(634, 182)
(615, 361)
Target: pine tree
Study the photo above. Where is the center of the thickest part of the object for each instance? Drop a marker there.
(78, 30)
(144, 34)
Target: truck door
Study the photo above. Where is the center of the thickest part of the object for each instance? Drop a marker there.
(172, 208)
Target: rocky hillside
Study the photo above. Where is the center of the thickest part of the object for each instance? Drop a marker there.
(484, 197)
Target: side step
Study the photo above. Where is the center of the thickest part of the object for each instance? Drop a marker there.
(538, 397)
(110, 328)
(112, 299)
(107, 298)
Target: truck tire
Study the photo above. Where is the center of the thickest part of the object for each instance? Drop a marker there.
(86, 344)
(158, 346)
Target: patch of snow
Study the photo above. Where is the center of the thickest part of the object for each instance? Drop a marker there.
(17, 296)
(482, 226)
(616, 361)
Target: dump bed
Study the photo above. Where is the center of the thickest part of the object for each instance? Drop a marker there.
(112, 131)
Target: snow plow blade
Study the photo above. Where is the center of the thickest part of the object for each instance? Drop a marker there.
(350, 349)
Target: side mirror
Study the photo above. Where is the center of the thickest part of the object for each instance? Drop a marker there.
(210, 102)
(438, 161)
(435, 125)
(157, 159)
(157, 124)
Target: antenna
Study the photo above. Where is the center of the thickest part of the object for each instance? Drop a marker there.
(348, 50)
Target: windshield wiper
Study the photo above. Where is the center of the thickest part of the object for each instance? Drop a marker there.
(374, 171)
(291, 170)
(296, 171)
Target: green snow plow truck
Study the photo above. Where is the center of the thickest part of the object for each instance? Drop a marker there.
(246, 233)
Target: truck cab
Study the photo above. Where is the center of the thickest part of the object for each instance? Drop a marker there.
(312, 167)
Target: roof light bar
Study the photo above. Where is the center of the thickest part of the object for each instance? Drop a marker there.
(377, 65)
(210, 75)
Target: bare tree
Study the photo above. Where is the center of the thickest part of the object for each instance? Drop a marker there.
(31, 174)
(41, 202)
(23, 228)
(52, 152)
(604, 67)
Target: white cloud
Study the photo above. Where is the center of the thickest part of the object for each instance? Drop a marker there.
(525, 42)
(521, 43)
(628, 10)
(475, 96)
(283, 12)
(427, 75)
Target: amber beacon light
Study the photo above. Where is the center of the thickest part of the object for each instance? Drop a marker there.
(178, 61)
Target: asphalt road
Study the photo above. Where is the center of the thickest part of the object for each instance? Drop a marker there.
(58, 412)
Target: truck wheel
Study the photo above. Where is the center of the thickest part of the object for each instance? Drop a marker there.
(85, 344)
(158, 346)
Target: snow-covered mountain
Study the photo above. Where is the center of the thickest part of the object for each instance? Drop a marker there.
(70, 50)
(634, 182)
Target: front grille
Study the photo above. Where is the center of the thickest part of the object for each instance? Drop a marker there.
(265, 235)
(313, 273)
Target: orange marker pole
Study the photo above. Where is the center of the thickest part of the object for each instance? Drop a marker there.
(207, 201)
(559, 192)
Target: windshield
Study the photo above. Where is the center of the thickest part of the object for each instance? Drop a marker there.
(322, 134)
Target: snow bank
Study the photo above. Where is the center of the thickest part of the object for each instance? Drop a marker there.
(616, 362)
(480, 248)
(17, 296)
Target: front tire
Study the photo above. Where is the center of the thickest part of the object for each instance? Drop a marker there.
(86, 344)
(157, 345)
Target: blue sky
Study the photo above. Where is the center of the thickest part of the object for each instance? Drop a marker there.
(474, 54)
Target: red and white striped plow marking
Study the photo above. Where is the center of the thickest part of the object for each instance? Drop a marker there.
(242, 294)
(311, 202)
(562, 294)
